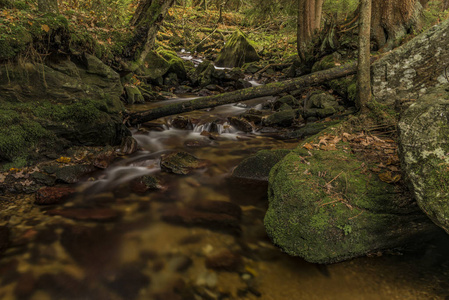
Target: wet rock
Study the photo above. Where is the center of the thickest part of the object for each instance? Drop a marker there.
(181, 122)
(129, 146)
(53, 195)
(203, 74)
(241, 124)
(258, 166)
(190, 217)
(73, 174)
(133, 95)
(307, 216)
(145, 183)
(176, 64)
(44, 179)
(237, 51)
(179, 263)
(159, 66)
(181, 163)
(424, 149)
(4, 238)
(245, 191)
(218, 207)
(282, 119)
(255, 118)
(224, 260)
(103, 159)
(289, 100)
(86, 214)
(128, 281)
(171, 80)
(197, 143)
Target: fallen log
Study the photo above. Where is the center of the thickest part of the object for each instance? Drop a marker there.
(269, 89)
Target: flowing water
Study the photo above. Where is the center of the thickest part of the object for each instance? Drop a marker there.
(128, 245)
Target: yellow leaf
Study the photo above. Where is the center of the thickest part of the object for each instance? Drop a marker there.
(45, 28)
(63, 159)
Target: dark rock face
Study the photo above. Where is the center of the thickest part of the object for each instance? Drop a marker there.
(145, 183)
(181, 163)
(282, 118)
(424, 149)
(308, 215)
(258, 166)
(73, 174)
(4, 238)
(237, 51)
(53, 195)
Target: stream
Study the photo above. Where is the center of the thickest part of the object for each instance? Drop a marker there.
(197, 236)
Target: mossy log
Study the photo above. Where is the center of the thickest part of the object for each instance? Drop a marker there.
(242, 95)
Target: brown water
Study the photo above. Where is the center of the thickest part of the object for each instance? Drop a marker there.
(138, 255)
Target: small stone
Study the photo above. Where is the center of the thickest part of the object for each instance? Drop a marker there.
(181, 163)
(181, 122)
(207, 279)
(43, 179)
(89, 214)
(104, 158)
(129, 146)
(241, 124)
(53, 195)
(224, 260)
(144, 184)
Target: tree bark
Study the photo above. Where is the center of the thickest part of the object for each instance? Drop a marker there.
(146, 20)
(308, 23)
(391, 20)
(242, 95)
(363, 68)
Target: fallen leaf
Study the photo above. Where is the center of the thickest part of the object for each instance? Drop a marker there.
(388, 177)
(45, 28)
(307, 146)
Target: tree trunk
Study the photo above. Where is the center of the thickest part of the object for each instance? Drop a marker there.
(146, 20)
(391, 20)
(48, 6)
(363, 68)
(308, 23)
(242, 95)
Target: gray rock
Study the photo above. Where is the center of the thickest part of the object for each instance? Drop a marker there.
(424, 153)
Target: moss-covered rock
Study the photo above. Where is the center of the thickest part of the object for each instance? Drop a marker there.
(181, 163)
(133, 95)
(154, 67)
(203, 74)
(283, 118)
(424, 150)
(237, 51)
(326, 62)
(288, 99)
(51, 107)
(176, 63)
(326, 206)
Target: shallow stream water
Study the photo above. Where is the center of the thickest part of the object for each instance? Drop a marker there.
(129, 249)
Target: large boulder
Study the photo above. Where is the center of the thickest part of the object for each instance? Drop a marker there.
(45, 108)
(410, 70)
(327, 206)
(237, 51)
(424, 153)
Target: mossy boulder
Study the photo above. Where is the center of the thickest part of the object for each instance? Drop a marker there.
(46, 108)
(424, 153)
(176, 63)
(326, 62)
(288, 99)
(326, 206)
(237, 51)
(133, 95)
(203, 75)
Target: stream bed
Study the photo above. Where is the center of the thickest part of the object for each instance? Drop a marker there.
(196, 236)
